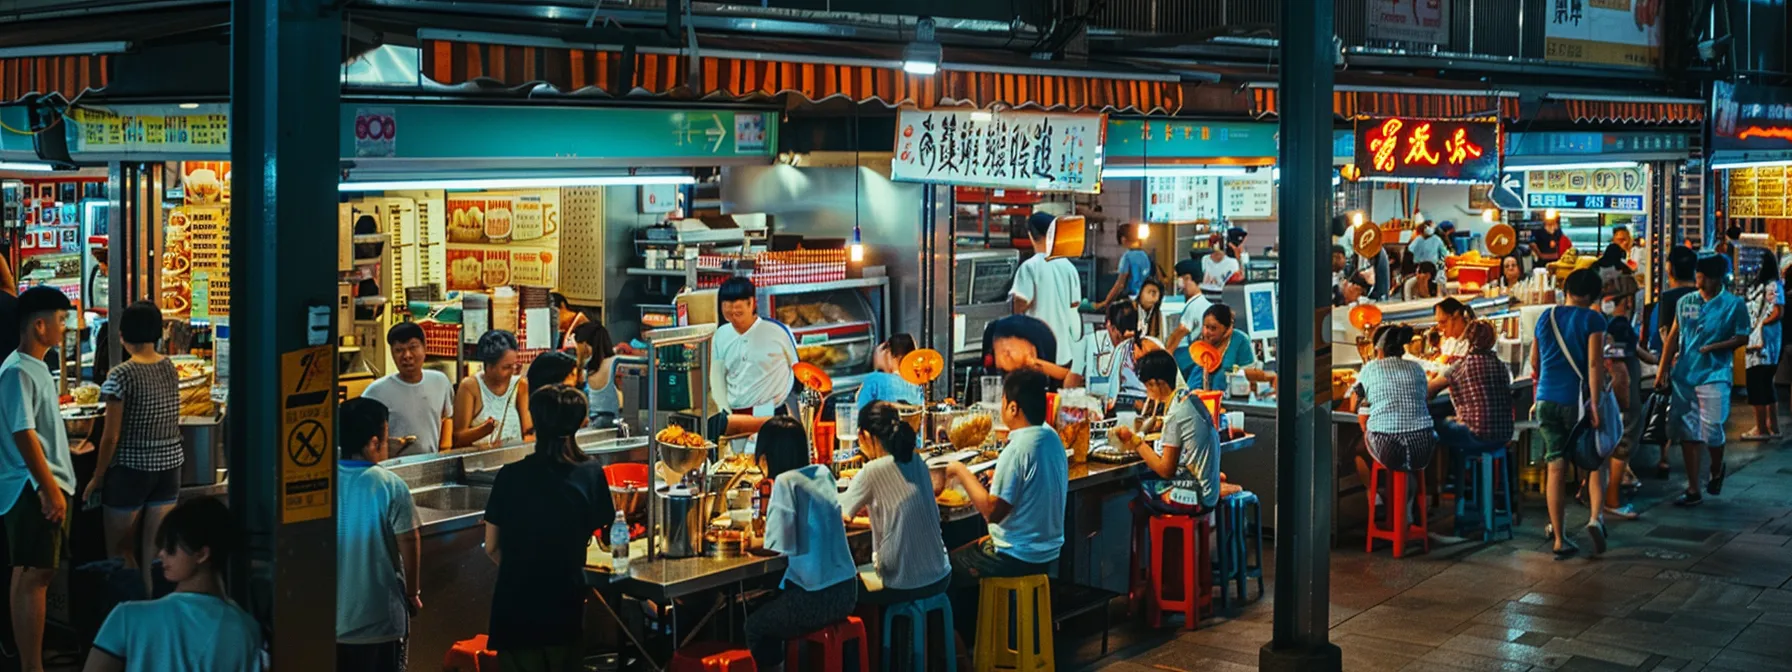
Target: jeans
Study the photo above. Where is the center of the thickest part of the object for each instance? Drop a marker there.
(1459, 439)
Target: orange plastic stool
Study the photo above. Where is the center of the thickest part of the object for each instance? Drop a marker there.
(832, 640)
(1400, 530)
(712, 657)
(470, 655)
(1197, 575)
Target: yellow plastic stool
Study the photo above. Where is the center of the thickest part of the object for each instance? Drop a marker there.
(1032, 610)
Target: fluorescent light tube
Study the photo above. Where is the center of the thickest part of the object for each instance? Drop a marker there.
(517, 183)
(1585, 165)
(1172, 171)
(27, 167)
(1750, 164)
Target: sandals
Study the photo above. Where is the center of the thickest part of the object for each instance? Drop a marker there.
(1752, 435)
(1715, 486)
(1689, 499)
(1567, 550)
(1661, 471)
(1625, 512)
(1597, 533)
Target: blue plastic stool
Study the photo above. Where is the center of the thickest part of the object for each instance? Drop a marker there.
(1240, 556)
(916, 612)
(1483, 503)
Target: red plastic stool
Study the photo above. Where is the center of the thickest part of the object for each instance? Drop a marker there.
(832, 640)
(1197, 576)
(470, 655)
(1400, 530)
(712, 657)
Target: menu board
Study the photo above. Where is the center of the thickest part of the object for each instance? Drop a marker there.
(1182, 199)
(1759, 192)
(498, 239)
(1250, 198)
(206, 131)
(1613, 190)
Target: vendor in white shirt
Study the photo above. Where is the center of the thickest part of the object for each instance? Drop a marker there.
(1195, 304)
(1218, 269)
(752, 362)
(1049, 290)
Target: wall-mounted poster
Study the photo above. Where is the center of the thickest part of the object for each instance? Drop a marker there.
(1416, 21)
(1606, 32)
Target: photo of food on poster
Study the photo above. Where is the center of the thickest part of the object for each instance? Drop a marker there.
(498, 239)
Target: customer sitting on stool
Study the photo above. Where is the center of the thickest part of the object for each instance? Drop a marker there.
(1390, 394)
(1480, 388)
(804, 524)
(1184, 468)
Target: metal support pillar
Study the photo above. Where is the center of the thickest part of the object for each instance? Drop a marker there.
(1304, 459)
(936, 282)
(134, 263)
(285, 118)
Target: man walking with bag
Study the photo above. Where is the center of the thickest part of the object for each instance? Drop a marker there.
(1711, 324)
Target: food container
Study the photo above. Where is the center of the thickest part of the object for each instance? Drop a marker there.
(685, 519)
(1076, 413)
(683, 459)
(628, 489)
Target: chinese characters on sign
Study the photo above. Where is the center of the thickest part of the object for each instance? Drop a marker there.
(1415, 21)
(1613, 190)
(1028, 150)
(1395, 149)
(203, 131)
(1608, 32)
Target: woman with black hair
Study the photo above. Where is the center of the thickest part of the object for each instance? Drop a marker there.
(803, 522)
(1151, 309)
(137, 475)
(1391, 408)
(538, 523)
(488, 409)
(1766, 303)
(905, 524)
(197, 628)
(551, 368)
(1109, 365)
(1235, 352)
(597, 357)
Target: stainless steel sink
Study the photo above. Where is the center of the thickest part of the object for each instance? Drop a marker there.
(453, 497)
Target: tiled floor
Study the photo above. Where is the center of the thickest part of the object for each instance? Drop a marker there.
(1708, 588)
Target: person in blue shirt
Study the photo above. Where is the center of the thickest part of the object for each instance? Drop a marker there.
(1427, 246)
(1235, 351)
(1568, 354)
(1699, 349)
(1134, 267)
(197, 628)
(378, 548)
(885, 384)
(803, 522)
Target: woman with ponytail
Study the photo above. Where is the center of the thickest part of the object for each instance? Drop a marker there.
(538, 523)
(1391, 406)
(905, 523)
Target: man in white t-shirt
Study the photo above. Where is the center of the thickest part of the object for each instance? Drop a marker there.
(421, 400)
(1218, 268)
(1050, 290)
(752, 362)
(1194, 307)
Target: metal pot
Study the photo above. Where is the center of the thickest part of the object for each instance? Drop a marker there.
(684, 515)
(683, 459)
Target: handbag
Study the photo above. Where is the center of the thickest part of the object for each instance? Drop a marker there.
(1655, 419)
(1589, 447)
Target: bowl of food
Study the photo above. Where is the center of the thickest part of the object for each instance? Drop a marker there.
(682, 451)
(970, 431)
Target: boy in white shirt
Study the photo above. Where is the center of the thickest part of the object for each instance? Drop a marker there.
(752, 362)
(37, 473)
(1050, 290)
(1218, 269)
(421, 400)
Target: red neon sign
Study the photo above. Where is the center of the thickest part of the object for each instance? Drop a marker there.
(1772, 132)
(1429, 149)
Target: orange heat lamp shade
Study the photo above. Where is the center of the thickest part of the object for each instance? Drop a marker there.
(813, 378)
(1205, 355)
(1211, 399)
(921, 366)
(1365, 317)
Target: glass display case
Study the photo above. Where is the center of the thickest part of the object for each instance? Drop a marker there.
(837, 325)
(981, 280)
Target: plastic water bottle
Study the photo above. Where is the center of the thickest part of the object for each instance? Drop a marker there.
(619, 546)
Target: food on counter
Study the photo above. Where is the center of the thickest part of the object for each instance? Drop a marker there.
(813, 314)
(824, 356)
(985, 456)
(970, 431)
(677, 436)
(190, 369)
(849, 473)
(953, 499)
(86, 394)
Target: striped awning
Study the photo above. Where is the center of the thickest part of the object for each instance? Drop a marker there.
(1608, 111)
(1351, 104)
(662, 73)
(43, 75)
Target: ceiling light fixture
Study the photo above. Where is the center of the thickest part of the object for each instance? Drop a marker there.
(1587, 165)
(1750, 164)
(26, 167)
(922, 56)
(517, 183)
(1135, 172)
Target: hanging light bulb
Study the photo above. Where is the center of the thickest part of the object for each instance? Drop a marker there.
(1551, 214)
(1144, 231)
(1489, 215)
(857, 251)
(1356, 218)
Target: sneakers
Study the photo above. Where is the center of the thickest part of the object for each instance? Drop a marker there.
(1597, 533)
(1715, 485)
(1689, 499)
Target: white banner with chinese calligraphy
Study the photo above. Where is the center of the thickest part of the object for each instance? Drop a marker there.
(1416, 21)
(1023, 150)
(166, 129)
(1608, 32)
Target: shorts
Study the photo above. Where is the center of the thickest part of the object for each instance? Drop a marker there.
(381, 657)
(128, 489)
(1760, 385)
(31, 540)
(1403, 451)
(1633, 432)
(1554, 423)
(1699, 413)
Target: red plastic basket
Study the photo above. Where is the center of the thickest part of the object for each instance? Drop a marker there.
(441, 340)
